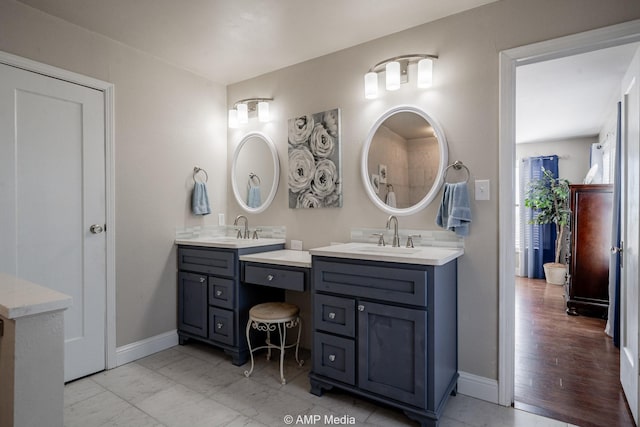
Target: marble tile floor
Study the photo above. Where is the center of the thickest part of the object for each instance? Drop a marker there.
(196, 385)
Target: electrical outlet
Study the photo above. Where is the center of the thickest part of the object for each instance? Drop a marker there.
(220, 219)
(296, 245)
(482, 189)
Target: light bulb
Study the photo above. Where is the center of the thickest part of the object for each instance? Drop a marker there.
(233, 118)
(243, 114)
(371, 85)
(393, 75)
(263, 111)
(425, 73)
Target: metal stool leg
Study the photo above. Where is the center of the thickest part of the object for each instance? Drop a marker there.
(282, 328)
(300, 362)
(268, 344)
(247, 373)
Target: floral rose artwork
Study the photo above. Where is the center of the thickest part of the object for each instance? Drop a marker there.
(302, 167)
(308, 200)
(314, 161)
(324, 180)
(300, 128)
(321, 142)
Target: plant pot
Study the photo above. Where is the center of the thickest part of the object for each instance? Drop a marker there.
(555, 273)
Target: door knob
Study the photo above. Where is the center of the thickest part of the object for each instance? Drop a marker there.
(96, 229)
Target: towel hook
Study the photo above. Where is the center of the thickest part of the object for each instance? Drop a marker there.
(197, 170)
(457, 165)
(252, 180)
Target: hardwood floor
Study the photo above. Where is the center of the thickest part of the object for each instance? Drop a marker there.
(566, 367)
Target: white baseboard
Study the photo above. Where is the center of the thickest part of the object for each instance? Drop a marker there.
(478, 387)
(139, 349)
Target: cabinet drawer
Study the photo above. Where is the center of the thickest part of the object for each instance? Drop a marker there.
(372, 281)
(336, 315)
(221, 325)
(221, 292)
(334, 357)
(207, 261)
(274, 277)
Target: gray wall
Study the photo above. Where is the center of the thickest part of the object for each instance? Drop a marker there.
(574, 154)
(166, 121)
(464, 100)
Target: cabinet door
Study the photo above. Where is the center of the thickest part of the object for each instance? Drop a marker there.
(192, 303)
(392, 352)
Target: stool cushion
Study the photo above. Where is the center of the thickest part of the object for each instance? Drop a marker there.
(274, 312)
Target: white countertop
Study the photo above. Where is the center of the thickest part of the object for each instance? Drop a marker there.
(228, 242)
(282, 257)
(19, 298)
(423, 255)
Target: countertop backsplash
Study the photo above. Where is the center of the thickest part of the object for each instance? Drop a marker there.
(439, 238)
(266, 231)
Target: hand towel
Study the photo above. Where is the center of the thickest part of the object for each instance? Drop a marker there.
(254, 199)
(200, 199)
(391, 199)
(454, 213)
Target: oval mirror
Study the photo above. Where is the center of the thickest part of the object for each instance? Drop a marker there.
(403, 160)
(255, 171)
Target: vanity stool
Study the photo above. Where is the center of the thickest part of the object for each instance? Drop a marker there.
(268, 317)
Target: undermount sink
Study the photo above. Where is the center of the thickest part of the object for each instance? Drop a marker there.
(388, 250)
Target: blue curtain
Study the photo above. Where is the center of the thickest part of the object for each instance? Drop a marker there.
(539, 239)
(613, 322)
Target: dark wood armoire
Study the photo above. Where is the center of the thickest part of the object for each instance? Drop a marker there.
(587, 288)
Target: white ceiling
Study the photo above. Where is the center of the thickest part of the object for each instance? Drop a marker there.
(569, 97)
(228, 41)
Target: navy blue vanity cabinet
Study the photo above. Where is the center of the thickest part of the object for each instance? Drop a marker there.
(386, 331)
(213, 307)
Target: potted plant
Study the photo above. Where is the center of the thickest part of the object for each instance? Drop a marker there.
(549, 198)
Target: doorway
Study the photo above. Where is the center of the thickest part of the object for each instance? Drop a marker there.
(509, 61)
(57, 185)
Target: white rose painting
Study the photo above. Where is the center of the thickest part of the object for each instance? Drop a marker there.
(314, 161)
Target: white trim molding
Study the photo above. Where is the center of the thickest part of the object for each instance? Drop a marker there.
(109, 122)
(146, 347)
(628, 32)
(478, 387)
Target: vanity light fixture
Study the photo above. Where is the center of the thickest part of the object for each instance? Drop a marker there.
(396, 73)
(239, 114)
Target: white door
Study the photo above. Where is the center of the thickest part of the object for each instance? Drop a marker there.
(52, 190)
(629, 301)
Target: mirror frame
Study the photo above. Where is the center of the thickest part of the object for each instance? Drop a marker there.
(276, 173)
(364, 167)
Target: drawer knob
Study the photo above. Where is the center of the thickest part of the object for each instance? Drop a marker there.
(360, 307)
(203, 279)
(270, 277)
(218, 292)
(332, 357)
(332, 315)
(219, 325)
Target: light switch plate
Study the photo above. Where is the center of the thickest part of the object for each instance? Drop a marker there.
(482, 189)
(296, 245)
(220, 219)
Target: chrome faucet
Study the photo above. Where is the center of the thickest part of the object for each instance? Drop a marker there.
(396, 238)
(246, 226)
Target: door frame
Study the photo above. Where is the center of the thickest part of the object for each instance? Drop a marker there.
(108, 90)
(510, 59)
